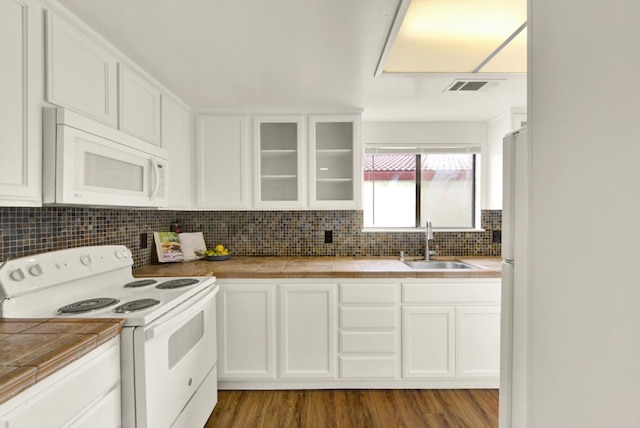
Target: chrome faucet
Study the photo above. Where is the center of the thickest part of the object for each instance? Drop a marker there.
(428, 236)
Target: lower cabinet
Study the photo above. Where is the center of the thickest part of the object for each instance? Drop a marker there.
(332, 333)
(86, 393)
(429, 342)
(478, 341)
(307, 330)
(246, 331)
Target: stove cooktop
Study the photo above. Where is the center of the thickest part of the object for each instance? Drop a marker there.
(90, 282)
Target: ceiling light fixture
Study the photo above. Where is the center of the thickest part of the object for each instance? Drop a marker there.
(464, 36)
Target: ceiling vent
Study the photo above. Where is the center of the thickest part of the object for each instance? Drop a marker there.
(459, 85)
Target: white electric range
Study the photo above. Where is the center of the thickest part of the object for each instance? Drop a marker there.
(168, 342)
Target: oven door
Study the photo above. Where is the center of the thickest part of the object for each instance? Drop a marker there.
(173, 356)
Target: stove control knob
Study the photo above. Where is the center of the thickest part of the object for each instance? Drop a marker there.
(35, 270)
(85, 260)
(17, 275)
(120, 254)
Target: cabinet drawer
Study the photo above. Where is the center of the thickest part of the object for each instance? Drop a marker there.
(370, 368)
(368, 318)
(368, 342)
(368, 293)
(90, 384)
(451, 292)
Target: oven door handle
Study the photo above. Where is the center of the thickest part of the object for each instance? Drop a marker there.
(162, 325)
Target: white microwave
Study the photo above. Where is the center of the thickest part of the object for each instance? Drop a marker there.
(88, 163)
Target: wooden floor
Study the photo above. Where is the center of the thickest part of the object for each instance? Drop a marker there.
(459, 408)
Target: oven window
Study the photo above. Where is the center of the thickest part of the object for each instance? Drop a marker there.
(185, 338)
(109, 173)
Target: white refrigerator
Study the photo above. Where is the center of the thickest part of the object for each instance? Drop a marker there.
(514, 329)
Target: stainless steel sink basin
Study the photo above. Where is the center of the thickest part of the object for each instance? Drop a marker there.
(437, 265)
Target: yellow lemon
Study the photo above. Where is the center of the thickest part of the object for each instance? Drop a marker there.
(219, 248)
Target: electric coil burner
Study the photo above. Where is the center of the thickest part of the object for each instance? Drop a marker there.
(140, 283)
(87, 305)
(136, 305)
(177, 283)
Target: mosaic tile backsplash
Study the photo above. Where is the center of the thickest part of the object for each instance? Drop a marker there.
(27, 231)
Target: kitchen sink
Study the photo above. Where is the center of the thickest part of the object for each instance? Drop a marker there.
(437, 265)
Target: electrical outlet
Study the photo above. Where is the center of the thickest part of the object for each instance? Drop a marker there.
(497, 236)
(328, 236)
(144, 241)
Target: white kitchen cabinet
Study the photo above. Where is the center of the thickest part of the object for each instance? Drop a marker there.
(335, 162)
(478, 341)
(247, 331)
(355, 333)
(307, 330)
(279, 160)
(223, 162)
(138, 106)
(21, 87)
(428, 340)
(369, 331)
(86, 393)
(81, 74)
(176, 139)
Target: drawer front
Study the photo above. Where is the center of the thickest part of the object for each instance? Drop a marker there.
(451, 292)
(368, 342)
(368, 318)
(370, 368)
(368, 293)
(93, 386)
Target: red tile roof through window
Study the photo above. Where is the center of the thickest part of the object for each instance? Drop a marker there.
(434, 162)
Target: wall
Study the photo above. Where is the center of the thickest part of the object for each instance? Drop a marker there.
(27, 231)
(492, 160)
(447, 133)
(584, 104)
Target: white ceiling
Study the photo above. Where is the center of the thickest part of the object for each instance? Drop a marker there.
(284, 54)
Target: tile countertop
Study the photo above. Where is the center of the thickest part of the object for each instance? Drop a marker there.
(32, 349)
(318, 267)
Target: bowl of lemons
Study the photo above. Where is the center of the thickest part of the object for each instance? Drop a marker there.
(218, 253)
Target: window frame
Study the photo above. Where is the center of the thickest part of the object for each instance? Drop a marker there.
(426, 150)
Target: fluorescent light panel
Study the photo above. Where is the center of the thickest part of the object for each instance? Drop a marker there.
(444, 36)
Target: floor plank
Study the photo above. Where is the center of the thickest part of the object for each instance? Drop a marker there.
(432, 408)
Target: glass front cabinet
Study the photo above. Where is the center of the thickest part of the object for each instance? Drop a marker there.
(307, 161)
(335, 162)
(279, 161)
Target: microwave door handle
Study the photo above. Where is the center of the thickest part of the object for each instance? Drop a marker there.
(156, 178)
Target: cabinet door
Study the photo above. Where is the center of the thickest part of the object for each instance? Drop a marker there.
(478, 341)
(428, 341)
(20, 110)
(139, 106)
(176, 139)
(246, 331)
(223, 162)
(335, 162)
(279, 162)
(81, 74)
(307, 331)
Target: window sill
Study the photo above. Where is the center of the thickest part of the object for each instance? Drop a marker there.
(416, 230)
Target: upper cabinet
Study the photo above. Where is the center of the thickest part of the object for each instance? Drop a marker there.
(176, 139)
(223, 161)
(21, 87)
(335, 161)
(81, 74)
(139, 106)
(279, 180)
